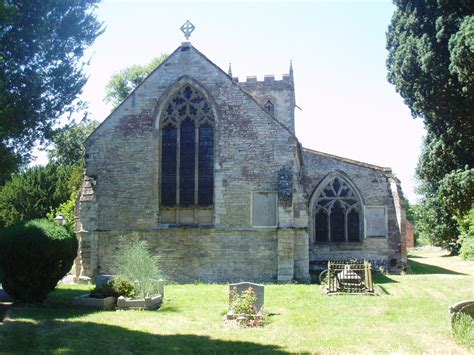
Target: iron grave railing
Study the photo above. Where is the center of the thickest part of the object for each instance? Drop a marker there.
(353, 277)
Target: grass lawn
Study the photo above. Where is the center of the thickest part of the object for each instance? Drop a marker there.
(411, 315)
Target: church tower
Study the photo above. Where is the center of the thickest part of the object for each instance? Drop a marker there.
(276, 96)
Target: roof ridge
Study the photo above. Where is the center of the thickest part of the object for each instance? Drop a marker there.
(350, 161)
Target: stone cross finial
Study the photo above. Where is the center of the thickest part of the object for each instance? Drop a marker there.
(187, 29)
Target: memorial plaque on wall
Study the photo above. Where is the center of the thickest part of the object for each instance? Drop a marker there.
(264, 209)
(376, 221)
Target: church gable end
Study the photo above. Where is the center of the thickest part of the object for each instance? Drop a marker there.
(209, 172)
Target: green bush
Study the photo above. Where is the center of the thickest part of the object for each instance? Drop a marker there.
(467, 235)
(116, 287)
(463, 329)
(34, 256)
(134, 262)
(467, 248)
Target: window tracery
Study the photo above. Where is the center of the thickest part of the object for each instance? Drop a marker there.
(187, 149)
(337, 213)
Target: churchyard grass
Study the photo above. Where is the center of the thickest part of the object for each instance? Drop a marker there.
(410, 315)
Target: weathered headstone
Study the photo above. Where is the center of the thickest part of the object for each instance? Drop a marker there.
(243, 286)
(101, 280)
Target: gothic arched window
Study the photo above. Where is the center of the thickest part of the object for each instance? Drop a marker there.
(337, 213)
(187, 151)
(269, 106)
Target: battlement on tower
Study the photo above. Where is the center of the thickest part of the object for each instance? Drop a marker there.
(268, 81)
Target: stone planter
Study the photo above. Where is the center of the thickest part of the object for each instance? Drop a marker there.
(107, 303)
(4, 306)
(149, 303)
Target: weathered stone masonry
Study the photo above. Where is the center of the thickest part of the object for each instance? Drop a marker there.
(259, 224)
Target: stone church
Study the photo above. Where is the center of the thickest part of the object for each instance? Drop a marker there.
(209, 171)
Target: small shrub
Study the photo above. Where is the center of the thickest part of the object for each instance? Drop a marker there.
(243, 306)
(135, 263)
(463, 329)
(243, 302)
(119, 286)
(34, 256)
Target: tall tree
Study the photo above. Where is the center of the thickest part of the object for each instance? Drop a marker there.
(41, 70)
(121, 84)
(68, 142)
(36, 191)
(430, 62)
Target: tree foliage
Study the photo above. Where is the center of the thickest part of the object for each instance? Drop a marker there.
(422, 39)
(41, 70)
(68, 142)
(121, 84)
(36, 191)
(431, 62)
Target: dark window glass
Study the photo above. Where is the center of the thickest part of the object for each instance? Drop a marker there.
(337, 223)
(168, 167)
(187, 164)
(187, 111)
(269, 107)
(353, 226)
(344, 192)
(321, 222)
(336, 185)
(206, 165)
(328, 192)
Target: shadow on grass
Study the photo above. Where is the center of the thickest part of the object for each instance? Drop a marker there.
(63, 297)
(418, 268)
(383, 279)
(87, 337)
(167, 308)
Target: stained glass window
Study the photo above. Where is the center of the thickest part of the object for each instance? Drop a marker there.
(322, 228)
(168, 166)
(187, 173)
(337, 213)
(187, 163)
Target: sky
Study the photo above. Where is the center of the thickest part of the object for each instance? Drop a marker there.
(337, 47)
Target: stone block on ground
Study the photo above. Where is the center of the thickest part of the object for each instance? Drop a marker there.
(107, 303)
(149, 303)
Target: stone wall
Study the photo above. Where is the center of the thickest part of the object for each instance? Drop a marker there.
(375, 187)
(191, 254)
(123, 161)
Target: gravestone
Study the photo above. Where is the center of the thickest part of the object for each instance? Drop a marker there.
(101, 280)
(243, 286)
